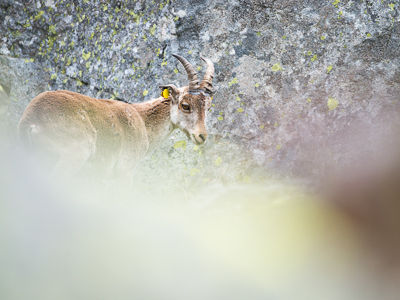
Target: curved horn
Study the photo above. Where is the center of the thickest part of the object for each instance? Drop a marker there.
(192, 75)
(206, 84)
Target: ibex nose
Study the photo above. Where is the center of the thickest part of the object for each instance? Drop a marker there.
(203, 136)
(200, 138)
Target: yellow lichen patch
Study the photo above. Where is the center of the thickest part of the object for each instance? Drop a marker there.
(165, 93)
(54, 76)
(314, 58)
(196, 148)
(276, 124)
(180, 144)
(145, 92)
(85, 56)
(278, 147)
(276, 67)
(240, 110)
(323, 38)
(391, 5)
(257, 85)
(39, 15)
(220, 118)
(52, 29)
(368, 35)
(328, 69)
(194, 172)
(332, 103)
(336, 2)
(176, 71)
(152, 29)
(218, 161)
(237, 98)
(262, 127)
(234, 81)
(309, 99)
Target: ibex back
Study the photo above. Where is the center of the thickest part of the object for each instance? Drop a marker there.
(77, 132)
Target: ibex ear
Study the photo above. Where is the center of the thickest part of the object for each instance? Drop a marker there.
(173, 92)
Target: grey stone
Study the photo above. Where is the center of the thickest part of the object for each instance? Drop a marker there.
(314, 79)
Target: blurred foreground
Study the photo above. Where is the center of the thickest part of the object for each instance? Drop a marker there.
(273, 240)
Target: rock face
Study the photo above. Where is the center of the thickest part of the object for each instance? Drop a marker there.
(302, 83)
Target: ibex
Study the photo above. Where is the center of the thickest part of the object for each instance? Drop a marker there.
(81, 132)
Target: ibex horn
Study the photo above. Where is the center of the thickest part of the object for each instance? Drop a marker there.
(206, 85)
(192, 75)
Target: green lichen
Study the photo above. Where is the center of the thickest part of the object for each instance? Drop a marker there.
(218, 161)
(194, 172)
(246, 179)
(276, 67)
(332, 103)
(180, 144)
(85, 56)
(39, 15)
(152, 29)
(234, 81)
(52, 29)
(329, 69)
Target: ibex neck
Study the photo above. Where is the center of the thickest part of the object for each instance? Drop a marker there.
(156, 115)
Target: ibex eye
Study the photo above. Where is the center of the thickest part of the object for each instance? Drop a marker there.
(185, 106)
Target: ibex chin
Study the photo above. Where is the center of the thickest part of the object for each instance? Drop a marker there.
(79, 132)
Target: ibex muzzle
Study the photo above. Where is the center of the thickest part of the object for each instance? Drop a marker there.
(81, 132)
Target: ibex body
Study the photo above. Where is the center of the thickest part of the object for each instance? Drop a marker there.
(78, 132)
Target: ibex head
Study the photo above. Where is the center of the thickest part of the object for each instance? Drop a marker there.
(190, 103)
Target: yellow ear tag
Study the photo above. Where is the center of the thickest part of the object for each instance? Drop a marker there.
(211, 98)
(165, 93)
